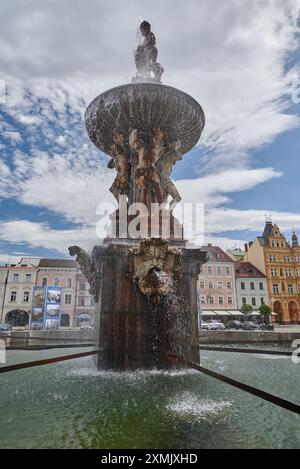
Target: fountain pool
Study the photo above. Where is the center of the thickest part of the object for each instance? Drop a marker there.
(72, 405)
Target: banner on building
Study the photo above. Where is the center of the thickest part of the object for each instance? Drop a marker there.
(46, 308)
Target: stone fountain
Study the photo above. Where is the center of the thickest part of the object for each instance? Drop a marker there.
(145, 285)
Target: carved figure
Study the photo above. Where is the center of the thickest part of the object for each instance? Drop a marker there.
(146, 56)
(86, 268)
(154, 265)
(120, 162)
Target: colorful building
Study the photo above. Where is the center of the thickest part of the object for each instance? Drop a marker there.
(16, 286)
(84, 304)
(217, 282)
(60, 273)
(280, 262)
(251, 285)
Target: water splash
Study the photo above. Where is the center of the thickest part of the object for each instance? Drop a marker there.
(188, 405)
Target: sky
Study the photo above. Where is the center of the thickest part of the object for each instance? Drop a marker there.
(238, 59)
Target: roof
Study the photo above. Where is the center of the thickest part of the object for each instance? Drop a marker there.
(216, 254)
(64, 263)
(247, 270)
(268, 230)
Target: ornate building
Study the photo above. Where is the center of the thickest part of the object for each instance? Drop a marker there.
(280, 262)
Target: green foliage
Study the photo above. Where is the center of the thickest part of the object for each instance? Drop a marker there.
(246, 309)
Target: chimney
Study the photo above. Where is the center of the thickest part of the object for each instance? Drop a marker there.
(246, 247)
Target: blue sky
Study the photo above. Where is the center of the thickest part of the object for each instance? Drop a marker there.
(240, 66)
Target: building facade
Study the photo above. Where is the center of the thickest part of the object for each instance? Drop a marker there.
(60, 273)
(217, 281)
(280, 262)
(251, 285)
(16, 287)
(84, 303)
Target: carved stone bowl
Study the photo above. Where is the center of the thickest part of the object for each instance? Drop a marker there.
(144, 106)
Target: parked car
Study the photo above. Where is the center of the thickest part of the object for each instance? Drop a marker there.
(5, 328)
(267, 327)
(251, 326)
(217, 326)
(234, 324)
(205, 325)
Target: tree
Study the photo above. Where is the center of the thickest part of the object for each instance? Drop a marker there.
(266, 312)
(246, 309)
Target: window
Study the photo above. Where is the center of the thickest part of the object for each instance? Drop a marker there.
(274, 273)
(221, 300)
(16, 277)
(220, 285)
(202, 300)
(262, 301)
(219, 270)
(82, 286)
(244, 301)
(56, 282)
(290, 289)
(273, 244)
(68, 298)
(210, 285)
(13, 296)
(44, 281)
(227, 270)
(253, 301)
(28, 277)
(242, 285)
(26, 296)
(282, 244)
(275, 288)
(202, 285)
(252, 286)
(69, 283)
(229, 286)
(210, 300)
(261, 285)
(209, 270)
(229, 300)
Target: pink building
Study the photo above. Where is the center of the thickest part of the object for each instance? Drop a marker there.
(217, 281)
(60, 273)
(84, 302)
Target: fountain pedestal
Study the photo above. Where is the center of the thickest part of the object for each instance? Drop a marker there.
(135, 331)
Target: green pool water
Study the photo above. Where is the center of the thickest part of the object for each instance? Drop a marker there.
(72, 405)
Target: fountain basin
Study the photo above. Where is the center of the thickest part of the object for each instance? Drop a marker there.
(144, 106)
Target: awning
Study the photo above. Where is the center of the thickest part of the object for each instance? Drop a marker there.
(208, 313)
(274, 314)
(222, 313)
(254, 313)
(235, 313)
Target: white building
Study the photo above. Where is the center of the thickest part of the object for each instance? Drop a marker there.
(251, 285)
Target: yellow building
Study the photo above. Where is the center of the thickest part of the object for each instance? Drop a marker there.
(280, 262)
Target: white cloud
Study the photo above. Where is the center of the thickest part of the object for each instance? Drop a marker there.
(41, 235)
(232, 58)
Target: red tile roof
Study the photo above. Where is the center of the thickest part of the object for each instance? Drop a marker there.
(65, 263)
(247, 270)
(216, 254)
